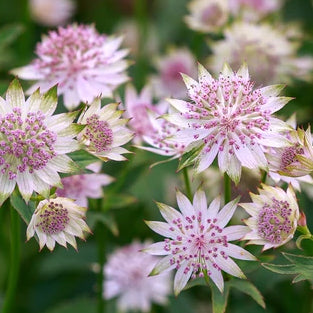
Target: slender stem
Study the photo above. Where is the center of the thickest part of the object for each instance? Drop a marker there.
(100, 238)
(14, 262)
(264, 177)
(187, 183)
(227, 188)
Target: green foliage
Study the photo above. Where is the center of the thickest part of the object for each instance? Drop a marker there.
(25, 210)
(300, 265)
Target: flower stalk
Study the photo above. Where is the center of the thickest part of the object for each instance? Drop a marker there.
(14, 261)
(187, 183)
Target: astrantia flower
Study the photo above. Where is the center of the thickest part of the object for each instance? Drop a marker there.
(82, 62)
(254, 9)
(105, 131)
(197, 240)
(51, 13)
(84, 186)
(295, 160)
(168, 82)
(158, 138)
(207, 15)
(137, 106)
(270, 55)
(57, 220)
(228, 118)
(33, 143)
(126, 276)
(274, 214)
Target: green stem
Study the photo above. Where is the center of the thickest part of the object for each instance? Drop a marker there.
(187, 183)
(227, 188)
(100, 238)
(14, 262)
(264, 177)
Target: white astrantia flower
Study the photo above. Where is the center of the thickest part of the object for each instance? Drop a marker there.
(283, 162)
(34, 142)
(58, 220)
(83, 63)
(105, 131)
(127, 278)
(158, 138)
(269, 53)
(228, 118)
(51, 13)
(274, 215)
(198, 241)
(207, 15)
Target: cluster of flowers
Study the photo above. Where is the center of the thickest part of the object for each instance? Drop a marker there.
(227, 118)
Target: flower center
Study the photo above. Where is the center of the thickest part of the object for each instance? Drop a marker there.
(211, 15)
(289, 156)
(274, 224)
(25, 144)
(53, 218)
(99, 134)
(198, 243)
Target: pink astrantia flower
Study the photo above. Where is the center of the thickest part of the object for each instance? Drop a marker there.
(137, 107)
(228, 118)
(33, 142)
(84, 186)
(58, 220)
(274, 215)
(207, 15)
(126, 277)
(168, 82)
(51, 13)
(197, 240)
(105, 132)
(82, 62)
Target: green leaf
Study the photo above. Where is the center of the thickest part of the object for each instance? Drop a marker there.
(9, 33)
(300, 265)
(219, 299)
(82, 158)
(107, 219)
(24, 210)
(247, 288)
(189, 158)
(280, 269)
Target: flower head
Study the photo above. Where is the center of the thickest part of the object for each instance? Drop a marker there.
(57, 220)
(33, 142)
(274, 214)
(84, 186)
(105, 131)
(168, 81)
(126, 274)
(295, 160)
(82, 62)
(269, 53)
(228, 118)
(197, 240)
(254, 9)
(207, 15)
(51, 13)
(158, 138)
(137, 107)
